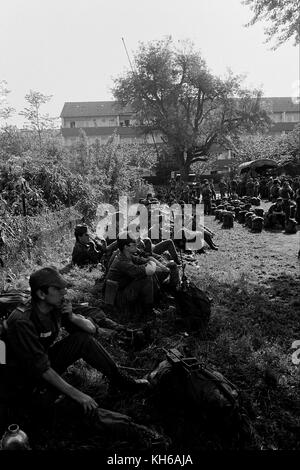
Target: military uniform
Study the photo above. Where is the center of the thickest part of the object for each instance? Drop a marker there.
(32, 347)
(275, 215)
(206, 196)
(132, 281)
(84, 254)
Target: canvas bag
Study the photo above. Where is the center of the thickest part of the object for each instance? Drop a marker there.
(193, 384)
(194, 306)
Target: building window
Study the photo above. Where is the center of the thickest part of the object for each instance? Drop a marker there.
(72, 124)
(127, 122)
(277, 117)
(292, 117)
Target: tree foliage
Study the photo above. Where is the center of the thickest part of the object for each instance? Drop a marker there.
(274, 147)
(82, 176)
(173, 92)
(5, 110)
(283, 16)
(37, 121)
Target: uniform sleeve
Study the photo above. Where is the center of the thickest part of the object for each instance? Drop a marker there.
(78, 256)
(27, 348)
(94, 254)
(133, 270)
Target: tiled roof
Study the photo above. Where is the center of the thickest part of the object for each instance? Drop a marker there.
(93, 109)
(113, 108)
(281, 104)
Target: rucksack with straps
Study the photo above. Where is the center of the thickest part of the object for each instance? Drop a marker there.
(8, 302)
(193, 383)
(184, 383)
(194, 306)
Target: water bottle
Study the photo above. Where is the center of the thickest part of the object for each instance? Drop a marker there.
(14, 439)
(2, 351)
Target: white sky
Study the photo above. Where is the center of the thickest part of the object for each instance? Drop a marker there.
(72, 49)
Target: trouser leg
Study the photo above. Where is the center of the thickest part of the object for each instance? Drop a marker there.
(139, 288)
(81, 345)
(208, 239)
(166, 245)
(174, 274)
(281, 218)
(207, 206)
(286, 208)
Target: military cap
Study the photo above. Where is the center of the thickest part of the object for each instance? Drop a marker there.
(49, 276)
(80, 230)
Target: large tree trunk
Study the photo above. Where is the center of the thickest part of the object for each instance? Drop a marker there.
(184, 171)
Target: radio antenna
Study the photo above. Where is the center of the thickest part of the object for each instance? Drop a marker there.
(146, 114)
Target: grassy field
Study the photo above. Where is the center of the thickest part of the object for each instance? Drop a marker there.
(254, 282)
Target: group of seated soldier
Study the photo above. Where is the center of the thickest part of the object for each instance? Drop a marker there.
(136, 267)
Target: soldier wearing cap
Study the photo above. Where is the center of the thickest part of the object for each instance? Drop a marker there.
(87, 250)
(31, 348)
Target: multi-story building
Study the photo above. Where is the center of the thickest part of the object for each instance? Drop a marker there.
(99, 120)
(284, 112)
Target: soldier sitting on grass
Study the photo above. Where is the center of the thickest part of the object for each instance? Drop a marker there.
(39, 360)
(130, 276)
(87, 250)
(275, 215)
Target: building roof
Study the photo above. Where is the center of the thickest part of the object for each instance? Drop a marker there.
(112, 108)
(93, 109)
(281, 104)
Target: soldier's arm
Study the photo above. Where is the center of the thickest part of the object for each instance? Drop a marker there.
(54, 379)
(132, 270)
(75, 319)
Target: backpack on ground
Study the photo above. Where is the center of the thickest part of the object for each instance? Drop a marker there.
(194, 306)
(8, 302)
(185, 382)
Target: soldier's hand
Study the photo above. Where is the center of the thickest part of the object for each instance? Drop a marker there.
(88, 403)
(66, 309)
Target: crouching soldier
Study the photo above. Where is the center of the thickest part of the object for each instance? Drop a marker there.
(87, 250)
(39, 361)
(130, 278)
(275, 215)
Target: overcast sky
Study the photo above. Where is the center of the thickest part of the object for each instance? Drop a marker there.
(72, 49)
